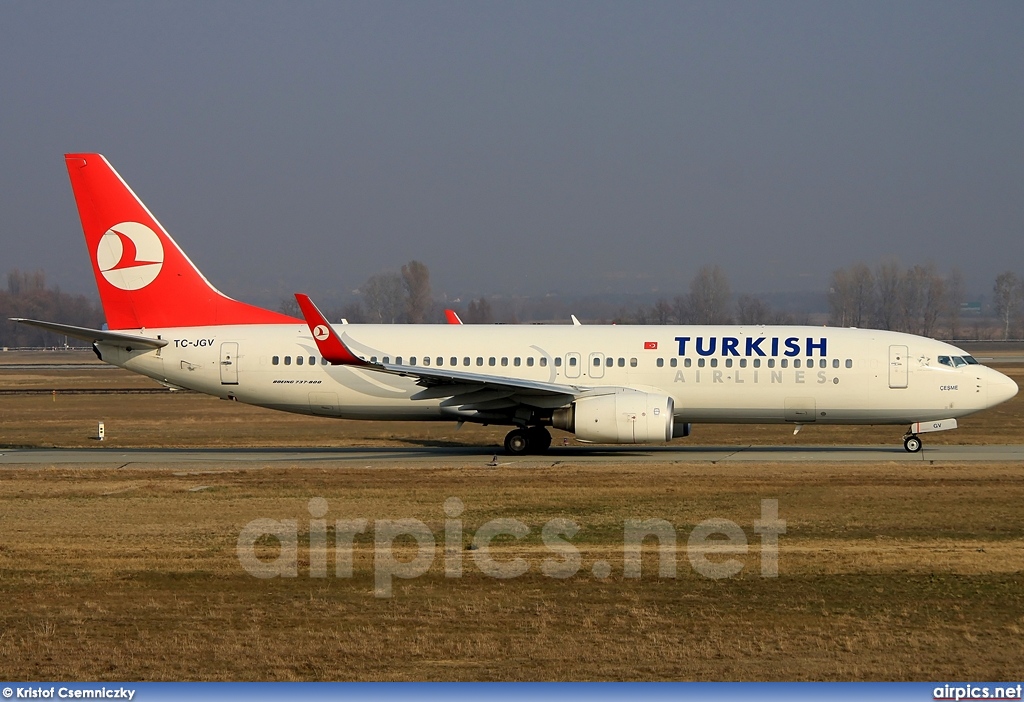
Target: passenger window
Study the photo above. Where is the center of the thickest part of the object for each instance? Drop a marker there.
(743, 363)
(771, 362)
(544, 362)
(491, 361)
(426, 360)
(517, 361)
(323, 361)
(796, 362)
(455, 361)
(504, 360)
(835, 362)
(386, 359)
(728, 363)
(714, 363)
(757, 363)
(479, 360)
(558, 362)
(611, 362)
(622, 362)
(398, 360)
(675, 361)
(572, 361)
(298, 361)
(275, 360)
(412, 361)
(700, 362)
(465, 361)
(686, 362)
(660, 363)
(849, 363)
(287, 360)
(632, 363)
(597, 362)
(784, 363)
(823, 363)
(529, 361)
(312, 360)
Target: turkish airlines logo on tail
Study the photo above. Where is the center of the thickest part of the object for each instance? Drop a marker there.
(130, 255)
(321, 332)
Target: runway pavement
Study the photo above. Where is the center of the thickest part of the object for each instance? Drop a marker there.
(482, 456)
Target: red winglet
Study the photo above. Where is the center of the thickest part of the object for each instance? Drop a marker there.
(327, 340)
(452, 316)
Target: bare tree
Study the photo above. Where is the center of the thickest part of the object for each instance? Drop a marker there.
(753, 310)
(862, 290)
(384, 295)
(1007, 298)
(416, 276)
(912, 287)
(934, 301)
(888, 279)
(681, 309)
(840, 300)
(956, 295)
(662, 312)
(709, 296)
(479, 312)
(289, 306)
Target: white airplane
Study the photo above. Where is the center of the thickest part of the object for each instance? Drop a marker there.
(605, 384)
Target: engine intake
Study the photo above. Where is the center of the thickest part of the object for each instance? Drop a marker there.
(625, 417)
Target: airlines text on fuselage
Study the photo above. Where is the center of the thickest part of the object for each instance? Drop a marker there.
(752, 346)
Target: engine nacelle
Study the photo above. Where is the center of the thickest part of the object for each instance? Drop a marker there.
(626, 417)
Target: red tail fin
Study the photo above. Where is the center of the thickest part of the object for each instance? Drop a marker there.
(144, 279)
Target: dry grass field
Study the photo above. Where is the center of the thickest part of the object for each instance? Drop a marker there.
(886, 571)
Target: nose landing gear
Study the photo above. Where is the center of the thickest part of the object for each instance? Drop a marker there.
(911, 443)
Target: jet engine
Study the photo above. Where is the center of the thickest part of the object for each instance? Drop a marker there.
(624, 417)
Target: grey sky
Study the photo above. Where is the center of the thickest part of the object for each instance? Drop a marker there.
(523, 147)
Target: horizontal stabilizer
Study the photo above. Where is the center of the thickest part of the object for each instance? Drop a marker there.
(95, 335)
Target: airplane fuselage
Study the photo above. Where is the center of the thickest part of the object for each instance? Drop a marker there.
(713, 373)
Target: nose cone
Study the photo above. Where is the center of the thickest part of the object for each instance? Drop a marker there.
(1001, 388)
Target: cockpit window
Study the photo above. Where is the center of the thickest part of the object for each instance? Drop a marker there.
(957, 361)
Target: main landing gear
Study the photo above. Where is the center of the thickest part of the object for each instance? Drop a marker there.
(520, 442)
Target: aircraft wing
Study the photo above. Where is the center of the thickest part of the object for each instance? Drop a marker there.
(94, 335)
(465, 390)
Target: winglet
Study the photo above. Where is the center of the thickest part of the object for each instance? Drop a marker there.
(452, 317)
(327, 340)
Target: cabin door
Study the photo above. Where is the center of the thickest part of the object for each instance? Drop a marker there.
(897, 366)
(229, 363)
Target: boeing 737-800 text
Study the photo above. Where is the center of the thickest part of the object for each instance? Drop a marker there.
(605, 384)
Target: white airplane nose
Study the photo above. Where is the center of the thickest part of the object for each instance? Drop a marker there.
(1001, 389)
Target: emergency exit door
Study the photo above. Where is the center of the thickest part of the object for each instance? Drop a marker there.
(229, 363)
(897, 366)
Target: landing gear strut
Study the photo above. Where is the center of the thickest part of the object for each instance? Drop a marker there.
(520, 442)
(911, 443)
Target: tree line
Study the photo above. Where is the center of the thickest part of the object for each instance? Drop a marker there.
(918, 300)
(27, 296)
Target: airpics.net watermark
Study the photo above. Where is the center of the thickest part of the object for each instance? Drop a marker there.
(711, 547)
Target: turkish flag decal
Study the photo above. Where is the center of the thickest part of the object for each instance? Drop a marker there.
(650, 345)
